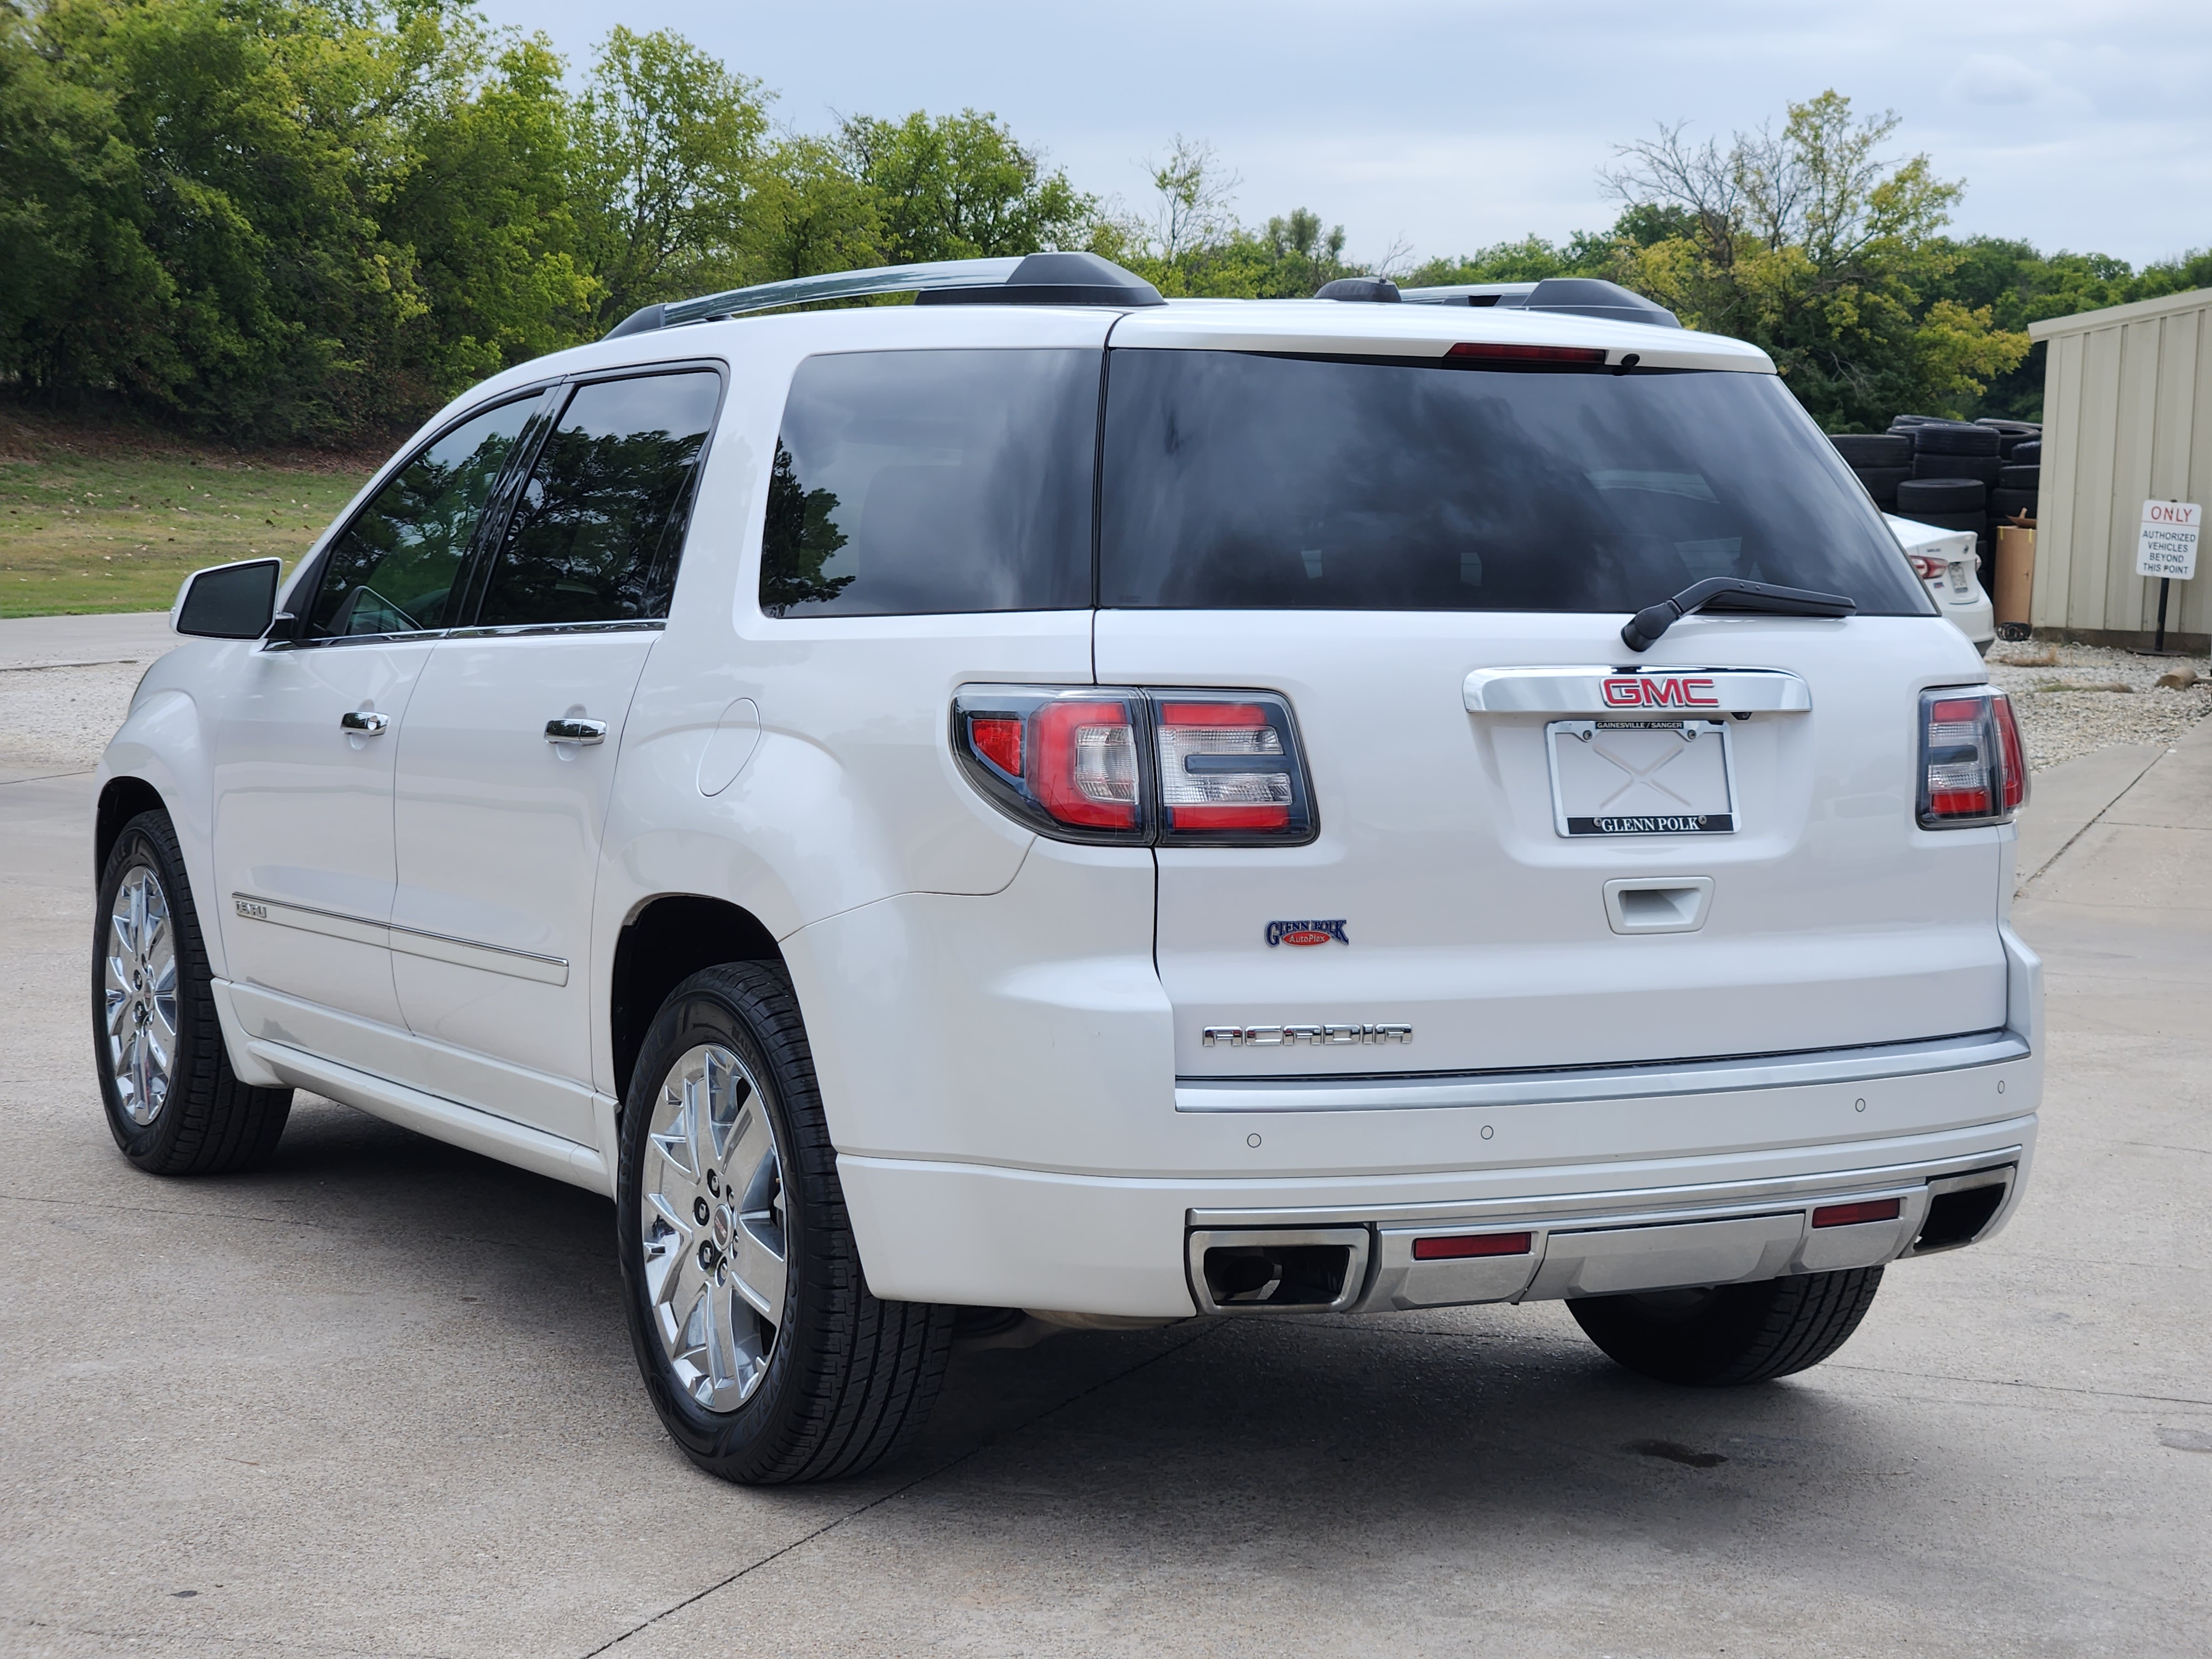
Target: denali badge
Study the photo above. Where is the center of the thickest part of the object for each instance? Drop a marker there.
(1283, 1036)
(1306, 932)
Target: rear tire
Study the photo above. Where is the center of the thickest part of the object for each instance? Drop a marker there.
(766, 1356)
(174, 1104)
(1729, 1333)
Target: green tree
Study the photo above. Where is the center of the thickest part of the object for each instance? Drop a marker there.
(1818, 248)
(810, 214)
(1192, 245)
(237, 157)
(483, 203)
(85, 302)
(960, 187)
(668, 147)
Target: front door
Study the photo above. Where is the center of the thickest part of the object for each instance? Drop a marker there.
(305, 738)
(513, 738)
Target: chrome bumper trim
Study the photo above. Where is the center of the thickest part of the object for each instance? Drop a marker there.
(1634, 1204)
(1610, 1243)
(1531, 1088)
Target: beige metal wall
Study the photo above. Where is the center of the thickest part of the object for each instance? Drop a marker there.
(2127, 414)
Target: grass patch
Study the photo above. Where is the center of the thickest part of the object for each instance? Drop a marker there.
(106, 516)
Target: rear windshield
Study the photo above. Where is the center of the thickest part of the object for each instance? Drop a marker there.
(1235, 481)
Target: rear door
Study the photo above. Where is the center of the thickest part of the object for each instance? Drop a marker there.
(1708, 848)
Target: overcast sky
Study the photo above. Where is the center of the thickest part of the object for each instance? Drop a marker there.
(1446, 127)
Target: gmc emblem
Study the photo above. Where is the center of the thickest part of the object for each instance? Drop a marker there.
(1660, 691)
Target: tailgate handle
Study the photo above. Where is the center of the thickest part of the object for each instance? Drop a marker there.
(1658, 904)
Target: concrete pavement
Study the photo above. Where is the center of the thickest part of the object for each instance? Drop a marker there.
(378, 1399)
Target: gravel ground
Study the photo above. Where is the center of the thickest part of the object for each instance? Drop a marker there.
(58, 719)
(2060, 723)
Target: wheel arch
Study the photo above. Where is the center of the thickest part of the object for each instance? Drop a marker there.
(121, 799)
(664, 941)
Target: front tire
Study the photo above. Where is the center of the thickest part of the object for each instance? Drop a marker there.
(765, 1355)
(174, 1104)
(1729, 1333)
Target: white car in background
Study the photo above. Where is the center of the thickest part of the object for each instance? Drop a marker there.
(1948, 568)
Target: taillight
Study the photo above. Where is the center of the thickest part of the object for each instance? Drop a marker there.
(1928, 567)
(1973, 769)
(1228, 767)
(1127, 765)
(1065, 762)
(1083, 763)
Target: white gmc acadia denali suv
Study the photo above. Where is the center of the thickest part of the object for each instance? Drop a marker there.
(1043, 807)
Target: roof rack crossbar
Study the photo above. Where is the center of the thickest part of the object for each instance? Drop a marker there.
(1033, 279)
(1575, 296)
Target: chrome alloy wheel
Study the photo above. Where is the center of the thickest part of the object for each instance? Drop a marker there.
(713, 1226)
(139, 987)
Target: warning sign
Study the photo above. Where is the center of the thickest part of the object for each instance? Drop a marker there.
(2167, 546)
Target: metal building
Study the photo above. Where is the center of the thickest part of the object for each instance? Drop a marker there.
(2127, 414)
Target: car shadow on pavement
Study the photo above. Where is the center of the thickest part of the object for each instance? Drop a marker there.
(1289, 1432)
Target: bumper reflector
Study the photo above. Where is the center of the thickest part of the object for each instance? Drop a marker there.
(1850, 1215)
(1466, 1244)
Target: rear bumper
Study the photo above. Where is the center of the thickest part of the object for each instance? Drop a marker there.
(978, 1235)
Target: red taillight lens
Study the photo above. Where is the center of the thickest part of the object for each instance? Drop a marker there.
(1489, 351)
(1068, 762)
(2015, 753)
(1082, 766)
(1222, 766)
(1928, 567)
(1852, 1215)
(998, 739)
(1110, 764)
(1973, 769)
(1470, 1244)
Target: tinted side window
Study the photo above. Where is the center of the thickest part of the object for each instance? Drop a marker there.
(394, 570)
(597, 533)
(907, 483)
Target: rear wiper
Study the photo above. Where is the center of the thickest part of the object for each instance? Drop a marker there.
(1730, 593)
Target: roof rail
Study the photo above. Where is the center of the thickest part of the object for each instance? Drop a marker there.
(1573, 296)
(1038, 279)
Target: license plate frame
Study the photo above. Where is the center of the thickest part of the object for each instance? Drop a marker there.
(1705, 795)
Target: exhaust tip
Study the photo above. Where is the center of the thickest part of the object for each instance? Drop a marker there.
(1310, 1271)
(1964, 1208)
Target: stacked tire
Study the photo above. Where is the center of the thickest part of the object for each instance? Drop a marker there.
(1882, 460)
(1955, 467)
(1969, 475)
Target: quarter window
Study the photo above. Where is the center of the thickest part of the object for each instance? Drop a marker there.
(393, 571)
(911, 482)
(597, 533)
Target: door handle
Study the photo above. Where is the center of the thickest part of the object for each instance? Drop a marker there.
(363, 722)
(569, 729)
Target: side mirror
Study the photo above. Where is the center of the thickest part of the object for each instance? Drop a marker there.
(228, 601)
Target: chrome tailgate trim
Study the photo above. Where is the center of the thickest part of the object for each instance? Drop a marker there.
(1560, 1086)
(1641, 691)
